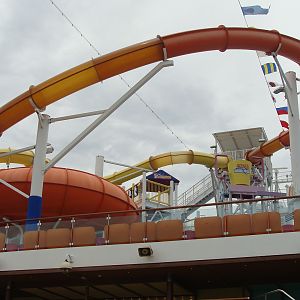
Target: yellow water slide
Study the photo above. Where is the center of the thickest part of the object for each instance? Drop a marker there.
(167, 159)
(23, 158)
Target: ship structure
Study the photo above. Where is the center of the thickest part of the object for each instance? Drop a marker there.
(235, 234)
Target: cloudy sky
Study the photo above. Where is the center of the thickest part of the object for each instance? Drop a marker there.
(202, 94)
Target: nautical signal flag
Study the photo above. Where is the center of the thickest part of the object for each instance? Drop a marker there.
(261, 54)
(274, 84)
(273, 98)
(254, 10)
(282, 110)
(269, 68)
(284, 124)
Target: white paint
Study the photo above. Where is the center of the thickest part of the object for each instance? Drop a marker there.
(163, 252)
(294, 127)
(99, 166)
(40, 156)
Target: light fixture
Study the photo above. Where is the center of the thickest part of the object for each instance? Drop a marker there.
(145, 251)
(49, 149)
(66, 266)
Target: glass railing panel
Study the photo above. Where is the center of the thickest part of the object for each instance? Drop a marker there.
(96, 224)
(13, 236)
(34, 234)
(2, 237)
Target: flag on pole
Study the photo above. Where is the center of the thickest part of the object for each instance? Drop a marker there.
(279, 90)
(269, 68)
(261, 54)
(282, 110)
(274, 84)
(254, 10)
(284, 124)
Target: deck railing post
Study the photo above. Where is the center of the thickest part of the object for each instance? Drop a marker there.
(144, 183)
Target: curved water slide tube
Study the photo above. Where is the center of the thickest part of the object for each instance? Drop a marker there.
(23, 158)
(141, 54)
(167, 159)
(268, 148)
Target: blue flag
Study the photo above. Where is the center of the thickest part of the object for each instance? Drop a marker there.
(269, 68)
(254, 10)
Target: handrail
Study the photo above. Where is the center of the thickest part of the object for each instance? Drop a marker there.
(158, 184)
(138, 211)
(274, 292)
(195, 191)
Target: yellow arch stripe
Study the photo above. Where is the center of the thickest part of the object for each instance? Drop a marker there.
(24, 158)
(169, 158)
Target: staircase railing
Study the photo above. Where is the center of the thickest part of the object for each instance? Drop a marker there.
(278, 291)
(198, 191)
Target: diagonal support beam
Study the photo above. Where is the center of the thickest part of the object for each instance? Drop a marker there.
(108, 112)
(17, 151)
(14, 188)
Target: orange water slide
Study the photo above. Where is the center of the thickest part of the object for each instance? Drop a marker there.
(268, 148)
(141, 54)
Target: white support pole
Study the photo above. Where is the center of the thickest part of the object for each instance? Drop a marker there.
(294, 129)
(35, 199)
(171, 198)
(176, 195)
(144, 185)
(128, 166)
(108, 112)
(178, 212)
(77, 116)
(99, 166)
(171, 193)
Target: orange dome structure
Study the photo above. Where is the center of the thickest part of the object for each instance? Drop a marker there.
(66, 192)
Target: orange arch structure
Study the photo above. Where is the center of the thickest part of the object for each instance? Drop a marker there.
(160, 48)
(141, 54)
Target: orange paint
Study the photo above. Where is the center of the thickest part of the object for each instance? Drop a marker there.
(66, 192)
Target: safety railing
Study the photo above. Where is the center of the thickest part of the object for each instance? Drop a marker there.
(198, 191)
(126, 227)
(155, 192)
(277, 291)
(159, 194)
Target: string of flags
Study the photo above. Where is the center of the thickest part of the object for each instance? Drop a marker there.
(269, 69)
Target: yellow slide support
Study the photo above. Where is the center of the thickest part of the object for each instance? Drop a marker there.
(23, 158)
(167, 159)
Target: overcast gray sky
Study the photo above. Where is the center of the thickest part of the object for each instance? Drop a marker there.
(202, 94)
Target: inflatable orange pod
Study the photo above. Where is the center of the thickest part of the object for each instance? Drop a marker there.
(66, 192)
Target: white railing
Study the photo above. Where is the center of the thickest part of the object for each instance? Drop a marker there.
(278, 291)
(198, 191)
